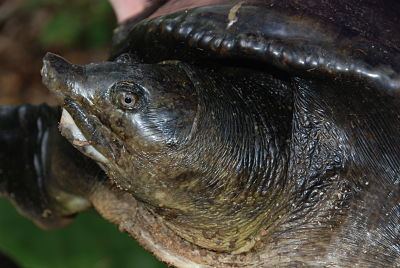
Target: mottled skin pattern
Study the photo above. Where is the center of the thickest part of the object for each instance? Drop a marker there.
(253, 134)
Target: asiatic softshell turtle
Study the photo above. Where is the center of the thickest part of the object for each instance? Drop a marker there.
(231, 133)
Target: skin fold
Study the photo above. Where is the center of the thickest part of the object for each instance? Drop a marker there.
(229, 147)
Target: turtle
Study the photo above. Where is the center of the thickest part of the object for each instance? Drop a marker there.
(226, 134)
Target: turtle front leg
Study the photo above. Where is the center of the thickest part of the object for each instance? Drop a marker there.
(40, 172)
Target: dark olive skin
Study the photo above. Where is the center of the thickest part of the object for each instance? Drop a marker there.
(256, 133)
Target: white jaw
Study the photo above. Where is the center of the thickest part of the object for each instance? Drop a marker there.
(68, 125)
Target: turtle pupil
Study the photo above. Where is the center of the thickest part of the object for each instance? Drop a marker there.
(128, 100)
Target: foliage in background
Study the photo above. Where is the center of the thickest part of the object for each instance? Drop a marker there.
(83, 23)
(89, 242)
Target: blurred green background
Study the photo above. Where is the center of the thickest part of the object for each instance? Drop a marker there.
(80, 30)
(88, 242)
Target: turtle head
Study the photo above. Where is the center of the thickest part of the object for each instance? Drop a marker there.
(131, 118)
(145, 107)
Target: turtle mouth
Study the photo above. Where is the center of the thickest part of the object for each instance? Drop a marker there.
(87, 133)
(73, 133)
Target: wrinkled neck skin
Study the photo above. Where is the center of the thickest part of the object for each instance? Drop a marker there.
(228, 178)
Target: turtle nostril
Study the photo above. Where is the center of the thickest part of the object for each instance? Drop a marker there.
(55, 64)
(58, 74)
(56, 61)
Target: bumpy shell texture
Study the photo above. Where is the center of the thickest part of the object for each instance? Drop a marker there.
(317, 40)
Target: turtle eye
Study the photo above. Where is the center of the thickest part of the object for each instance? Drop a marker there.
(127, 95)
(128, 100)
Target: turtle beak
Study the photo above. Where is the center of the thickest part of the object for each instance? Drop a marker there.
(62, 77)
(76, 87)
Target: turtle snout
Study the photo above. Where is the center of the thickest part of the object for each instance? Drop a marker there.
(59, 75)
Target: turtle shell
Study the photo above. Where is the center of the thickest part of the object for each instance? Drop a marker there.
(299, 39)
